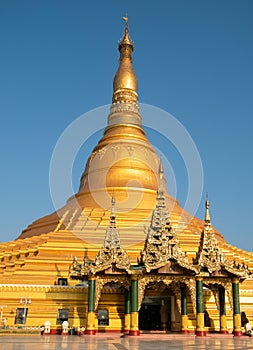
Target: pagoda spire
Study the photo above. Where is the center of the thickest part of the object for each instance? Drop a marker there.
(126, 38)
(112, 240)
(161, 190)
(112, 216)
(207, 213)
(162, 243)
(111, 254)
(160, 216)
(208, 256)
(125, 86)
(125, 78)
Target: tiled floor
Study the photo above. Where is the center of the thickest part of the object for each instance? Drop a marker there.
(116, 342)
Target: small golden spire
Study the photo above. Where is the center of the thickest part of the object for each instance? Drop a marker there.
(207, 214)
(160, 170)
(125, 83)
(126, 39)
(161, 190)
(160, 177)
(113, 216)
(113, 205)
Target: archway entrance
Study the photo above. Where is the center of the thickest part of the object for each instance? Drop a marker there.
(159, 310)
(155, 313)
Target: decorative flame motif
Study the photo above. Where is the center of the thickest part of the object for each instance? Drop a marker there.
(209, 258)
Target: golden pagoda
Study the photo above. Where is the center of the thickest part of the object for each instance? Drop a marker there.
(122, 255)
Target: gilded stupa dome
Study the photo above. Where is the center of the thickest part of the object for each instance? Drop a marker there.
(123, 161)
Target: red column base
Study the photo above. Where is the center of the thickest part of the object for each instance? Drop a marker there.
(66, 333)
(237, 333)
(224, 332)
(126, 331)
(134, 333)
(184, 332)
(90, 332)
(200, 333)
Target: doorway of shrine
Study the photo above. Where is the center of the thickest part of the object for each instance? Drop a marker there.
(157, 312)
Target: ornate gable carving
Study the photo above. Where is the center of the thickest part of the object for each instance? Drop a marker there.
(111, 253)
(208, 255)
(210, 258)
(162, 244)
(111, 256)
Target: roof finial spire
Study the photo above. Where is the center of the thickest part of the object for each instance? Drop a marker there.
(160, 178)
(126, 39)
(160, 170)
(207, 214)
(125, 18)
(125, 83)
(113, 205)
(161, 190)
(125, 86)
(113, 216)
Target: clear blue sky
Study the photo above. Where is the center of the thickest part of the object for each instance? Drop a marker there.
(193, 58)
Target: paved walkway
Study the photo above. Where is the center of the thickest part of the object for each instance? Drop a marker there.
(117, 342)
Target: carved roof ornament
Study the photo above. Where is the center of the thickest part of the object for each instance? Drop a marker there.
(112, 239)
(210, 258)
(160, 215)
(162, 244)
(207, 213)
(208, 255)
(77, 270)
(111, 253)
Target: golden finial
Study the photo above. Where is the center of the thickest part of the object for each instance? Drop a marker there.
(113, 204)
(207, 214)
(126, 20)
(125, 77)
(160, 171)
(126, 39)
(112, 216)
(160, 190)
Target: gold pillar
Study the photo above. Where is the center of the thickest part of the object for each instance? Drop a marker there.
(91, 323)
(91, 317)
(200, 321)
(184, 321)
(134, 328)
(236, 312)
(127, 322)
(184, 312)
